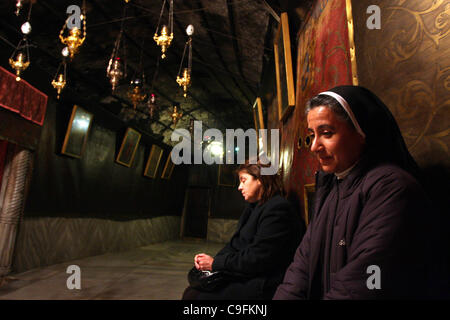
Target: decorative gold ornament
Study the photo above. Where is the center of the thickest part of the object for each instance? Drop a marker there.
(19, 63)
(163, 40)
(136, 96)
(176, 115)
(185, 81)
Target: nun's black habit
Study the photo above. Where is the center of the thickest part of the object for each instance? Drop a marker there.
(368, 237)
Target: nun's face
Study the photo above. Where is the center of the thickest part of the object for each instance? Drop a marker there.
(337, 145)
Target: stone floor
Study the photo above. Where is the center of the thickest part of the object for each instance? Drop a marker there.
(157, 271)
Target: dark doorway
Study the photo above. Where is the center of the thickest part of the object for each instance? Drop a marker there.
(196, 212)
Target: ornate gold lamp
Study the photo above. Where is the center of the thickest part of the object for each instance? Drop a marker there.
(185, 80)
(20, 58)
(176, 115)
(19, 63)
(165, 38)
(74, 40)
(59, 81)
(135, 94)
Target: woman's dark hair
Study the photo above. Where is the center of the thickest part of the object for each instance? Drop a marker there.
(271, 184)
(332, 104)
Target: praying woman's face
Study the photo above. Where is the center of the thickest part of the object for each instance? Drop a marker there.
(250, 187)
(336, 144)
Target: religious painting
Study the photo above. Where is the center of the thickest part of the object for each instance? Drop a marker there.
(168, 168)
(227, 175)
(77, 132)
(128, 148)
(308, 198)
(324, 61)
(283, 69)
(153, 161)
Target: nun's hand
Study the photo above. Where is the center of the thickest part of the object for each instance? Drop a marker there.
(203, 262)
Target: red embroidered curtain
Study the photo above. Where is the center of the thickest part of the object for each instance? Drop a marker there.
(21, 97)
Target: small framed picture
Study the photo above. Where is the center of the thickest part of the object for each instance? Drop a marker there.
(153, 161)
(283, 69)
(77, 132)
(128, 147)
(168, 168)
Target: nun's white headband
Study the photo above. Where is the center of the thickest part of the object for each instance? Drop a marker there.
(347, 109)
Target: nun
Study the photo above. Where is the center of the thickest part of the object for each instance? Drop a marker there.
(369, 235)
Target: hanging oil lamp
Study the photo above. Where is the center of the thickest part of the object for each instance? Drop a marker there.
(18, 7)
(135, 94)
(165, 38)
(20, 58)
(117, 70)
(176, 115)
(74, 40)
(185, 80)
(59, 81)
(151, 105)
(114, 72)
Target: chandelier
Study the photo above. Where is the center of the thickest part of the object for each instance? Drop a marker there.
(165, 38)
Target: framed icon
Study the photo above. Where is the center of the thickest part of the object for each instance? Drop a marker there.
(153, 161)
(128, 147)
(77, 132)
(283, 69)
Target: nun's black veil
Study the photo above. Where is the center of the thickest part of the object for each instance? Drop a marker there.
(383, 137)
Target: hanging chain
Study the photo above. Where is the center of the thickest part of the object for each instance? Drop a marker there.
(160, 16)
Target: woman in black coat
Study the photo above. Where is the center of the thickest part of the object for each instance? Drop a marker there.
(258, 254)
(370, 236)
